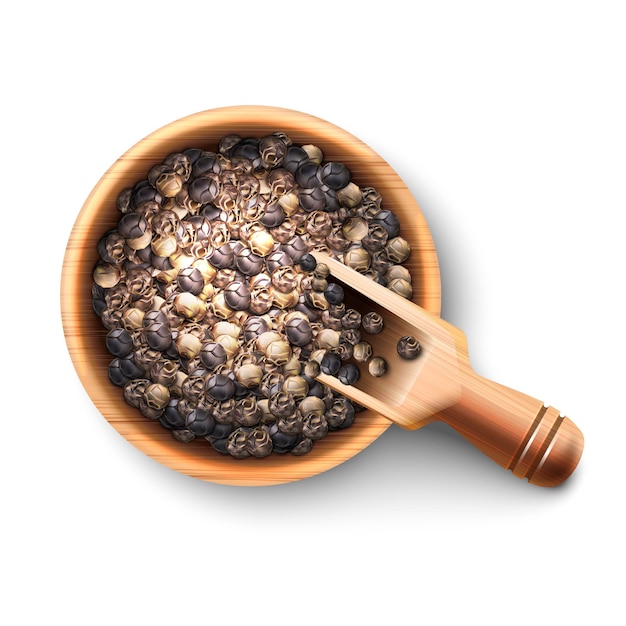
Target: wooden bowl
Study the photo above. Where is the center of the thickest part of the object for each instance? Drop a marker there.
(85, 335)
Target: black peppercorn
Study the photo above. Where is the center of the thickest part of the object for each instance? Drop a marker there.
(334, 293)
(119, 342)
(388, 221)
(282, 441)
(190, 279)
(200, 422)
(219, 387)
(213, 354)
(335, 175)
(298, 331)
(222, 257)
(331, 363)
(204, 189)
(294, 157)
(171, 417)
(132, 226)
(308, 262)
(309, 175)
(312, 199)
(208, 163)
(296, 248)
(348, 374)
(237, 296)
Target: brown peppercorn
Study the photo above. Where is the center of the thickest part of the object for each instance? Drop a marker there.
(261, 300)
(312, 369)
(319, 284)
(409, 348)
(156, 396)
(188, 345)
(336, 240)
(376, 238)
(303, 447)
(272, 150)
(293, 367)
(285, 232)
(362, 352)
(283, 300)
(224, 411)
(229, 343)
(285, 278)
(236, 444)
(401, 287)
(327, 338)
(259, 443)
(318, 224)
(281, 182)
(354, 229)
(351, 319)
(134, 390)
(189, 306)
(372, 323)
(350, 195)
(289, 203)
(247, 412)
(397, 250)
(261, 242)
(164, 372)
(296, 386)
(314, 426)
(249, 375)
(377, 366)
(282, 404)
(278, 352)
(330, 321)
(106, 275)
(344, 350)
(168, 183)
(357, 258)
(398, 271)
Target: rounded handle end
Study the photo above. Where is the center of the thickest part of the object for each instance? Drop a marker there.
(558, 456)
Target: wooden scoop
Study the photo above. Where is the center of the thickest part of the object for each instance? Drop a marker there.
(517, 431)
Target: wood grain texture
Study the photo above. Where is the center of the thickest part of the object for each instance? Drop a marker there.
(517, 431)
(85, 335)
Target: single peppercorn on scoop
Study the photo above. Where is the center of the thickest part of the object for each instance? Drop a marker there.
(515, 430)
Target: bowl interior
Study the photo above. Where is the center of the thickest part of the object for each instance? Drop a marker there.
(85, 335)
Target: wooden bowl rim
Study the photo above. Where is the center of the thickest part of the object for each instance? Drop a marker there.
(85, 336)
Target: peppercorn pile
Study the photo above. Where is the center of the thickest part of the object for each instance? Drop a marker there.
(219, 318)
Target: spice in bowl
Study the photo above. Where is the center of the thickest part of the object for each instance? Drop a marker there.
(218, 316)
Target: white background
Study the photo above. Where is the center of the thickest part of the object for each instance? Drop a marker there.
(507, 122)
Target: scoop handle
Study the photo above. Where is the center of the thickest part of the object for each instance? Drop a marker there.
(517, 431)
